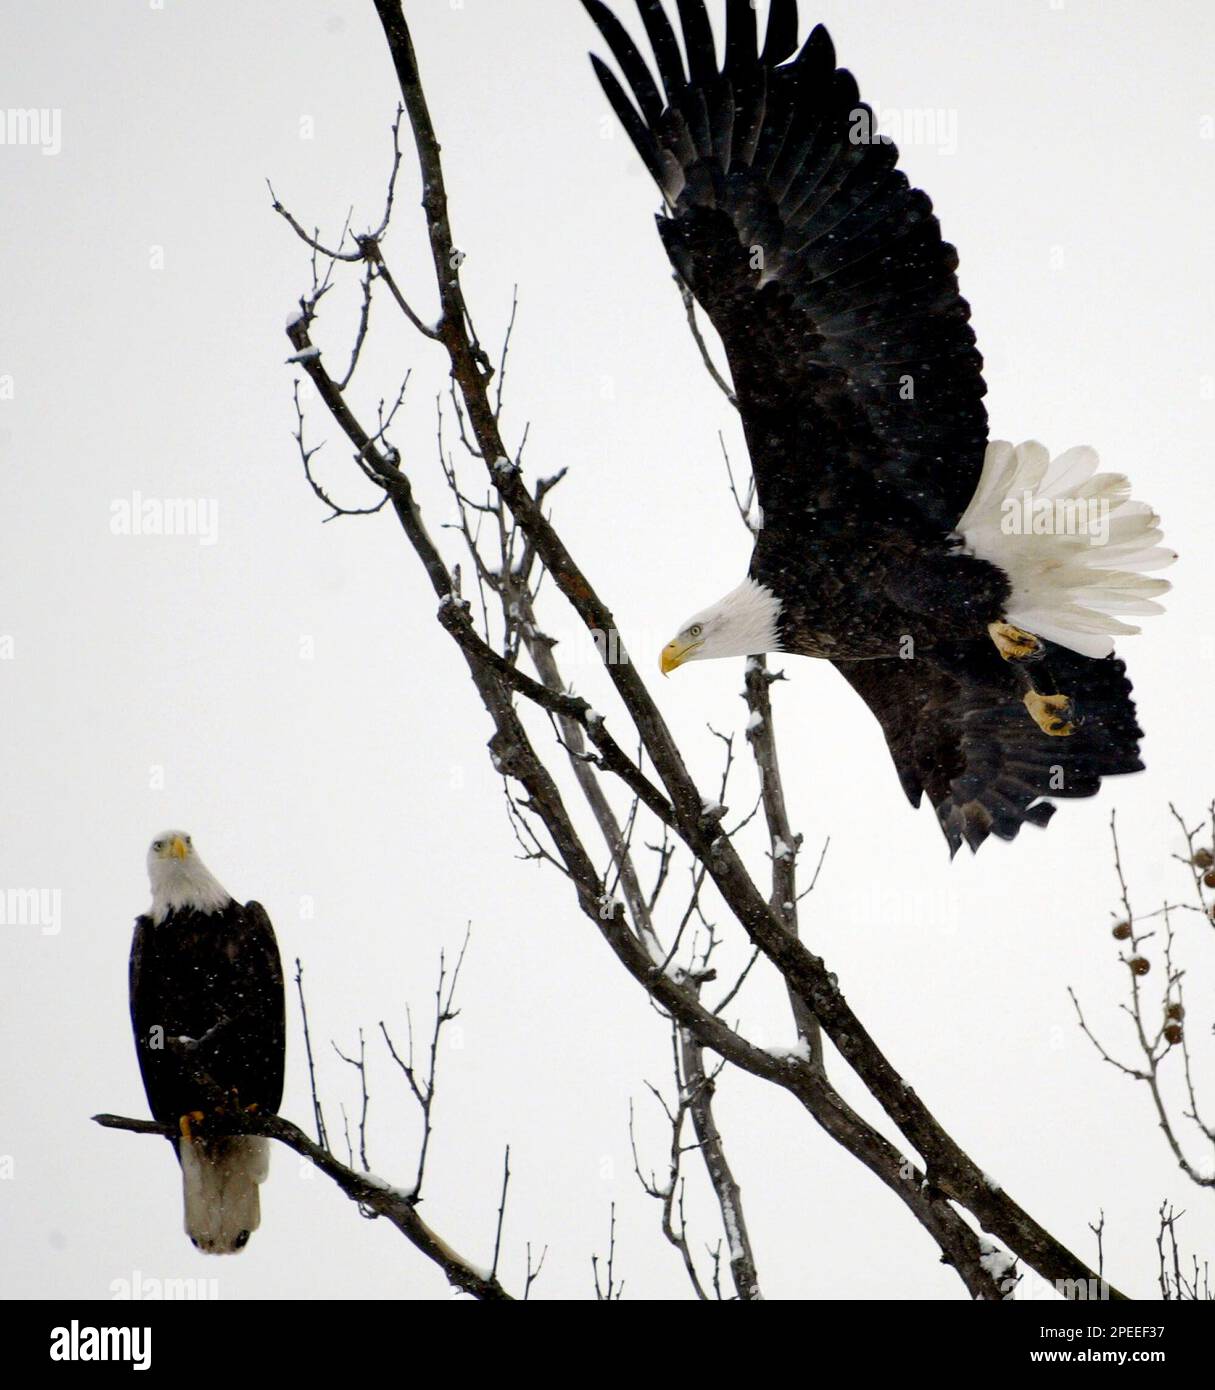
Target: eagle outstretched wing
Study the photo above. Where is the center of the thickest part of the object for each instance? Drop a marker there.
(821, 268)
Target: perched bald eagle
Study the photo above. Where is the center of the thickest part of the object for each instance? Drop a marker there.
(207, 1010)
(966, 590)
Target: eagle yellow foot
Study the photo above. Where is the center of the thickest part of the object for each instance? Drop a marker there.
(188, 1121)
(1053, 714)
(1014, 643)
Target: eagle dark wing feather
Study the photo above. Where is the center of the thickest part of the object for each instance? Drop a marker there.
(821, 268)
(632, 64)
(664, 43)
(781, 37)
(154, 1072)
(698, 40)
(741, 50)
(962, 736)
(266, 1003)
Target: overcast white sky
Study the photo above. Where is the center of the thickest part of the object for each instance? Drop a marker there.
(152, 681)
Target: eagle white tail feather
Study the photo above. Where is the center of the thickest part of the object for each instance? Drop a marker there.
(220, 1178)
(1073, 543)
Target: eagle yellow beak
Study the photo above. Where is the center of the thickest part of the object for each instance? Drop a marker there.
(178, 848)
(675, 653)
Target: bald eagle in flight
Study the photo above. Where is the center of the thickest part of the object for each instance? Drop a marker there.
(207, 1010)
(966, 589)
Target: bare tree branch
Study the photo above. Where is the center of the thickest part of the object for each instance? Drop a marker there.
(1165, 1035)
(370, 1192)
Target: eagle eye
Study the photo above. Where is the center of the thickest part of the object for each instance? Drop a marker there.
(695, 630)
(158, 844)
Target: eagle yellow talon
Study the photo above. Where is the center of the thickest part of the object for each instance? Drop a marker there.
(1052, 714)
(1014, 643)
(187, 1121)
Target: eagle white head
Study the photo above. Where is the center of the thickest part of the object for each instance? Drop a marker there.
(744, 623)
(180, 879)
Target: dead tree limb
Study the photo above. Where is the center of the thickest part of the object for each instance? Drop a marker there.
(364, 1188)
